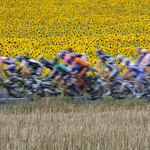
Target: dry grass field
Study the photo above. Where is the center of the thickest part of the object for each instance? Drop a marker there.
(56, 125)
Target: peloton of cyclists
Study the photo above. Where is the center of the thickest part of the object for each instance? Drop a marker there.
(77, 64)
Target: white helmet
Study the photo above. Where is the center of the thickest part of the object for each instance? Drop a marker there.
(143, 51)
(62, 51)
(73, 55)
(120, 57)
(83, 54)
(127, 60)
(60, 54)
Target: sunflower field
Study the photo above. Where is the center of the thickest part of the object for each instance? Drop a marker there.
(44, 27)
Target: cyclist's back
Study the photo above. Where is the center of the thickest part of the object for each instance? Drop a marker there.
(6, 60)
(61, 68)
(11, 64)
(31, 63)
(34, 64)
(81, 62)
(108, 58)
(146, 58)
(48, 64)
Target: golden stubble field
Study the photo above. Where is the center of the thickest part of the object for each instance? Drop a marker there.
(61, 126)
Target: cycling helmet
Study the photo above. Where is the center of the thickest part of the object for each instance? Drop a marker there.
(127, 60)
(120, 57)
(27, 56)
(73, 55)
(55, 59)
(139, 48)
(143, 51)
(62, 51)
(69, 49)
(19, 57)
(41, 57)
(60, 54)
(77, 55)
(83, 54)
(102, 57)
(99, 51)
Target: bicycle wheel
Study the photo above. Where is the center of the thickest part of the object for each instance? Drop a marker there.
(74, 90)
(16, 88)
(100, 91)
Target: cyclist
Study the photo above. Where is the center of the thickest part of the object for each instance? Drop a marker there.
(109, 71)
(11, 65)
(145, 58)
(136, 71)
(120, 59)
(108, 58)
(69, 50)
(63, 51)
(19, 58)
(63, 72)
(142, 63)
(82, 55)
(47, 64)
(67, 61)
(27, 63)
(140, 55)
(128, 74)
(66, 58)
(81, 71)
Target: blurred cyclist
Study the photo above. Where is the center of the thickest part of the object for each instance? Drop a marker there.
(11, 65)
(109, 71)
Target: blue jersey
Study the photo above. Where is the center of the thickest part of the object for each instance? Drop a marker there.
(108, 58)
(136, 68)
(48, 64)
(139, 60)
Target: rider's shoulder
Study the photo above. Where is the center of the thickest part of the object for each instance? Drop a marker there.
(148, 54)
(4, 57)
(32, 60)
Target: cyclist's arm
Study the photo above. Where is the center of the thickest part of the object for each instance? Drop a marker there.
(72, 66)
(65, 63)
(120, 68)
(125, 73)
(23, 69)
(25, 73)
(101, 71)
(98, 63)
(41, 70)
(53, 73)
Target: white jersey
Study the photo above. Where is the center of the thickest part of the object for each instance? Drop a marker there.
(31, 63)
(83, 56)
(24, 63)
(134, 67)
(131, 63)
(123, 63)
(145, 60)
(6, 60)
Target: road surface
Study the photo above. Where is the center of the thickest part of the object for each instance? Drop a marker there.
(5, 99)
